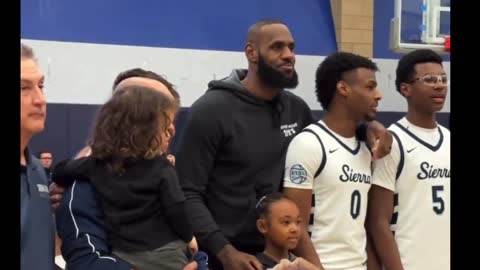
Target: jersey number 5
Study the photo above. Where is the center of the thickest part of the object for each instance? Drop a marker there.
(438, 203)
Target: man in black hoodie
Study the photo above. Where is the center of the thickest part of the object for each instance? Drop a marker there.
(233, 146)
(232, 149)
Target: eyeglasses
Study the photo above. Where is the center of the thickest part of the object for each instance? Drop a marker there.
(432, 80)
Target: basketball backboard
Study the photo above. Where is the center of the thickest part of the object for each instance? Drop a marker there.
(420, 24)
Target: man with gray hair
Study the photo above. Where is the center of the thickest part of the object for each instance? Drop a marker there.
(37, 230)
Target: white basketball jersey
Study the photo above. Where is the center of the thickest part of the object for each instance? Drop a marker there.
(421, 218)
(340, 188)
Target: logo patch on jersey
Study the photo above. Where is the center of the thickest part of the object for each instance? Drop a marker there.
(410, 150)
(298, 174)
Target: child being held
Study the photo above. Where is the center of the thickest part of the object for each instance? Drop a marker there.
(137, 187)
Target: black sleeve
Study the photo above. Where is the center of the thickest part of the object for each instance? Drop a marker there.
(174, 203)
(171, 192)
(308, 116)
(176, 216)
(201, 138)
(69, 170)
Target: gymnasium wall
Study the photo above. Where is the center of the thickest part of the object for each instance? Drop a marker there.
(83, 45)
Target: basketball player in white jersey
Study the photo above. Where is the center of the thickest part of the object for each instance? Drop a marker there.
(409, 204)
(327, 160)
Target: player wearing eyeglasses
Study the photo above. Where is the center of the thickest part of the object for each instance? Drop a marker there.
(408, 215)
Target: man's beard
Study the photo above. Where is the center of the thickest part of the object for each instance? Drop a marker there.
(369, 118)
(275, 78)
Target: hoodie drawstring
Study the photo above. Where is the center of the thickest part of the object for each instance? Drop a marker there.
(277, 109)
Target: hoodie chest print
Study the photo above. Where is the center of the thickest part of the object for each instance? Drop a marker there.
(289, 129)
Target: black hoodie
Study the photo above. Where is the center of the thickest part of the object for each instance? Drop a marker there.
(231, 153)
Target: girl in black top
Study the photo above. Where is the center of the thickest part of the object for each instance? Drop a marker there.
(137, 187)
(280, 224)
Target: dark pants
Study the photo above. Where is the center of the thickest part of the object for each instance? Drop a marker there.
(172, 256)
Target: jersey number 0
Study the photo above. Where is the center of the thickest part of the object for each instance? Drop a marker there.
(355, 204)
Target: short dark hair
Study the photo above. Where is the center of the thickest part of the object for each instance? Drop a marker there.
(266, 21)
(254, 29)
(406, 65)
(333, 69)
(264, 204)
(139, 72)
(128, 127)
(39, 153)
